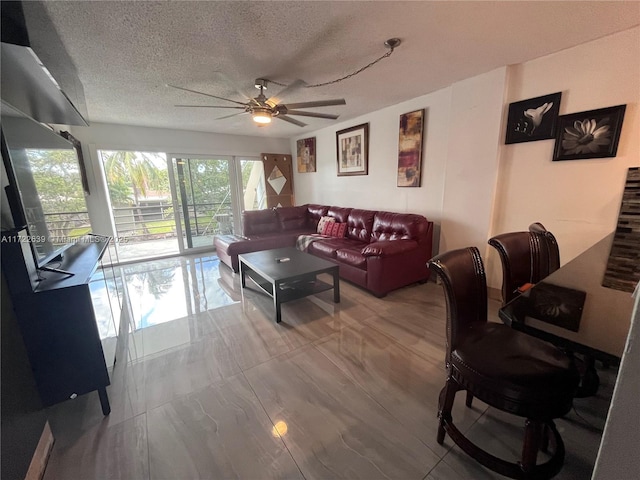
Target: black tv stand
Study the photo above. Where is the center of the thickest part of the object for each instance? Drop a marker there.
(58, 324)
(56, 270)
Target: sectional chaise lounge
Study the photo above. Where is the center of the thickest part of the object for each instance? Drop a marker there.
(380, 251)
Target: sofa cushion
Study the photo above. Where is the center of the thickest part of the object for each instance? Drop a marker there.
(315, 212)
(323, 221)
(360, 224)
(324, 248)
(257, 222)
(352, 256)
(398, 226)
(341, 214)
(328, 248)
(386, 248)
(292, 218)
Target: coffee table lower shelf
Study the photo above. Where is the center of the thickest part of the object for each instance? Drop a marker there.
(289, 291)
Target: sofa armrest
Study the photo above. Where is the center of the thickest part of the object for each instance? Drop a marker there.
(386, 248)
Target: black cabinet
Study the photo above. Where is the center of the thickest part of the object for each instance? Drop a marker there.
(57, 320)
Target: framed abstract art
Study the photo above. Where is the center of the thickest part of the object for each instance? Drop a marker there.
(410, 149)
(352, 146)
(306, 155)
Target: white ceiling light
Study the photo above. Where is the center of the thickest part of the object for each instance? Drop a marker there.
(261, 115)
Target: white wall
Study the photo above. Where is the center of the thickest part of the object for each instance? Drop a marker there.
(122, 137)
(577, 200)
(472, 161)
(473, 185)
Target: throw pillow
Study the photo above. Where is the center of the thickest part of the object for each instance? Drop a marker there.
(340, 231)
(326, 229)
(335, 229)
(323, 221)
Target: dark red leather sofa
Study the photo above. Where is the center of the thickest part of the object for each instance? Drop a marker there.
(382, 251)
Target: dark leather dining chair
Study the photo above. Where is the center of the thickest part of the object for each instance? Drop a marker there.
(515, 250)
(507, 369)
(545, 246)
(526, 257)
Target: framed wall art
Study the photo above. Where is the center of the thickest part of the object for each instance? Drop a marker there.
(306, 155)
(533, 119)
(352, 146)
(590, 134)
(410, 149)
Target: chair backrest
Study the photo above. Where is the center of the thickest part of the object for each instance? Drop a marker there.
(515, 250)
(465, 288)
(526, 257)
(545, 250)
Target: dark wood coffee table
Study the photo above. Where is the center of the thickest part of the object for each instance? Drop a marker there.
(286, 280)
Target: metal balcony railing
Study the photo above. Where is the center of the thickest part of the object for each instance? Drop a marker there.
(145, 222)
(65, 226)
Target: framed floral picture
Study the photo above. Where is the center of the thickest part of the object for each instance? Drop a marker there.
(306, 155)
(590, 134)
(410, 149)
(533, 119)
(352, 146)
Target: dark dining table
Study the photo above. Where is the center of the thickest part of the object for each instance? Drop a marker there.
(573, 310)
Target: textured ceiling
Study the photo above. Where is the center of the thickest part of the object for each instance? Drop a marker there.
(126, 52)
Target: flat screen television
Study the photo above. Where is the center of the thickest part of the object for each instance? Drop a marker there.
(43, 185)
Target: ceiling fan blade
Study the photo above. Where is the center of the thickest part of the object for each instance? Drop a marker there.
(205, 94)
(233, 85)
(319, 103)
(276, 99)
(311, 114)
(232, 115)
(208, 106)
(291, 120)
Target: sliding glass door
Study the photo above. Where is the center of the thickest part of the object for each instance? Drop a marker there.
(161, 208)
(211, 193)
(140, 204)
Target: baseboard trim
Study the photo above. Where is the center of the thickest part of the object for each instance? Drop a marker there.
(41, 455)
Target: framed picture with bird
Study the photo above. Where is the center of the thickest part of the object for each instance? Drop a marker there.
(533, 119)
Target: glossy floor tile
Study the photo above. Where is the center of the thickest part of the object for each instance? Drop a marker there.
(205, 385)
(218, 432)
(102, 451)
(333, 428)
(402, 382)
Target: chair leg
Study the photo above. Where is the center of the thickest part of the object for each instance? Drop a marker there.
(532, 438)
(544, 443)
(469, 399)
(447, 396)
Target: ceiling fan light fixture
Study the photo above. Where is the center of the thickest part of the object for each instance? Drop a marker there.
(261, 116)
(263, 109)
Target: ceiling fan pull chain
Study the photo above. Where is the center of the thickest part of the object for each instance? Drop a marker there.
(391, 44)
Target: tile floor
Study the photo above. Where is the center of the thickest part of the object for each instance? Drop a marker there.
(207, 386)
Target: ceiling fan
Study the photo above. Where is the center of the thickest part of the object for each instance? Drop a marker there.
(263, 109)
